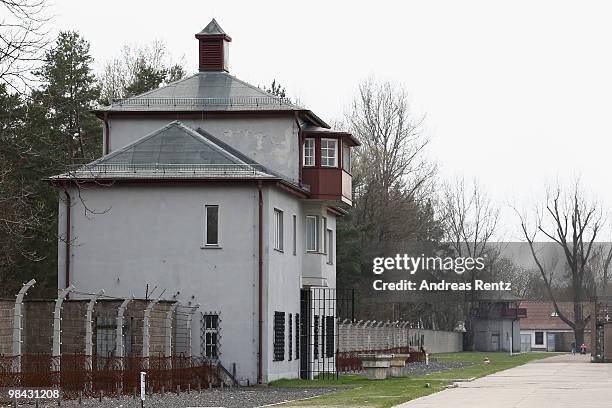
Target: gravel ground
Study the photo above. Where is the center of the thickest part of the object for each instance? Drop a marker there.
(237, 397)
(416, 369)
(229, 398)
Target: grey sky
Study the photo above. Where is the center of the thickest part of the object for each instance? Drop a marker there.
(516, 93)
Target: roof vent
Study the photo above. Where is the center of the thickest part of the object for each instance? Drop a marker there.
(213, 48)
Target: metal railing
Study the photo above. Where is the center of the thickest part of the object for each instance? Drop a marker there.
(103, 168)
(203, 102)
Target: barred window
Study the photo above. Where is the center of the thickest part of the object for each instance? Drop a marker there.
(329, 336)
(279, 336)
(210, 335)
(297, 336)
(290, 338)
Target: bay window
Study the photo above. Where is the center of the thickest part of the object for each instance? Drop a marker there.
(312, 233)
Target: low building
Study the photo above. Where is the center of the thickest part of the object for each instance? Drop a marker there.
(543, 330)
(495, 324)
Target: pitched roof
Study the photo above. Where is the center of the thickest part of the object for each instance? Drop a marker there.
(173, 151)
(208, 91)
(212, 28)
(542, 316)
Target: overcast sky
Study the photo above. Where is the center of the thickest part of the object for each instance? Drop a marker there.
(516, 93)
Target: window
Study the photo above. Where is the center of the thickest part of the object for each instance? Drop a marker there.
(210, 335)
(278, 230)
(294, 234)
(290, 338)
(309, 152)
(297, 336)
(539, 338)
(330, 247)
(329, 336)
(279, 336)
(312, 233)
(346, 157)
(329, 155)
(211, 225)
(324, 228)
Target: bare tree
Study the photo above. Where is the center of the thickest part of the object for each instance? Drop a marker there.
(469, 220)
(573, 223)
(121, 72)
(22, 40)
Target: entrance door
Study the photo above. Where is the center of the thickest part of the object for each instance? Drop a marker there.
(525, 343)
(550, 342)
(495, 342)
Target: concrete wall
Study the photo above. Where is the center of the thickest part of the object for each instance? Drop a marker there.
(271, 141)
(436, 341)
(359, 337)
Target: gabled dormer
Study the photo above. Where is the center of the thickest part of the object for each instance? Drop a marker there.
(326, 163)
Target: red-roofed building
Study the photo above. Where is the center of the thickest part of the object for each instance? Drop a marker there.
(543, 330)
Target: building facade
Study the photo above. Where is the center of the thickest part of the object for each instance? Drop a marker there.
(543, 330)
(214, 192)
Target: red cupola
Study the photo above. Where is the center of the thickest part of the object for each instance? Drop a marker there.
(213, 48)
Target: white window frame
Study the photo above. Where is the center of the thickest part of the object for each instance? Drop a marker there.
(278, 230)
(324, 150)
(330, 246)
(309, 163)
(206, 243)
(323, 230)
(316, 232)
(294, 234)
(346, 157)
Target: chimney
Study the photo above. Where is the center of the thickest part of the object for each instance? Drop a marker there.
(213, 48)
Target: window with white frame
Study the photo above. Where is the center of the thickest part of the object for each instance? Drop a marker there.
(312, 233)
(329, 152)
(211, 225)
(330, 247)
(278, 229)
(324, 229)
(346, 157)
(309, 152)
(294, 234)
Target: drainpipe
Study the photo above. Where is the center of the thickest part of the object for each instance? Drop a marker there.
(68, 238)
(297, 122)
(106, 134)
(260, 287)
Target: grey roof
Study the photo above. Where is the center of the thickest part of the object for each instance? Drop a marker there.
(205, 91)
(174, 151)
(213, 28)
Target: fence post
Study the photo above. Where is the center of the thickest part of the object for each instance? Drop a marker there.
(88, 330)
(189, 331)
(119, 346)
(168, 333)
(145, 333)
(57, 321)
(17, 324)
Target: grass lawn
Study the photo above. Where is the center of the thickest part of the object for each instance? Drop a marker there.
(357, 391)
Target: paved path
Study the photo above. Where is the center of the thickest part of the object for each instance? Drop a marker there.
(555, 382)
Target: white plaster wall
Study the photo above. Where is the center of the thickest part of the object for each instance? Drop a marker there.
(271, 141)
(154, 235)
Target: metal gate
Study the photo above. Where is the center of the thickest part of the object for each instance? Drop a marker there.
(320, 310)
